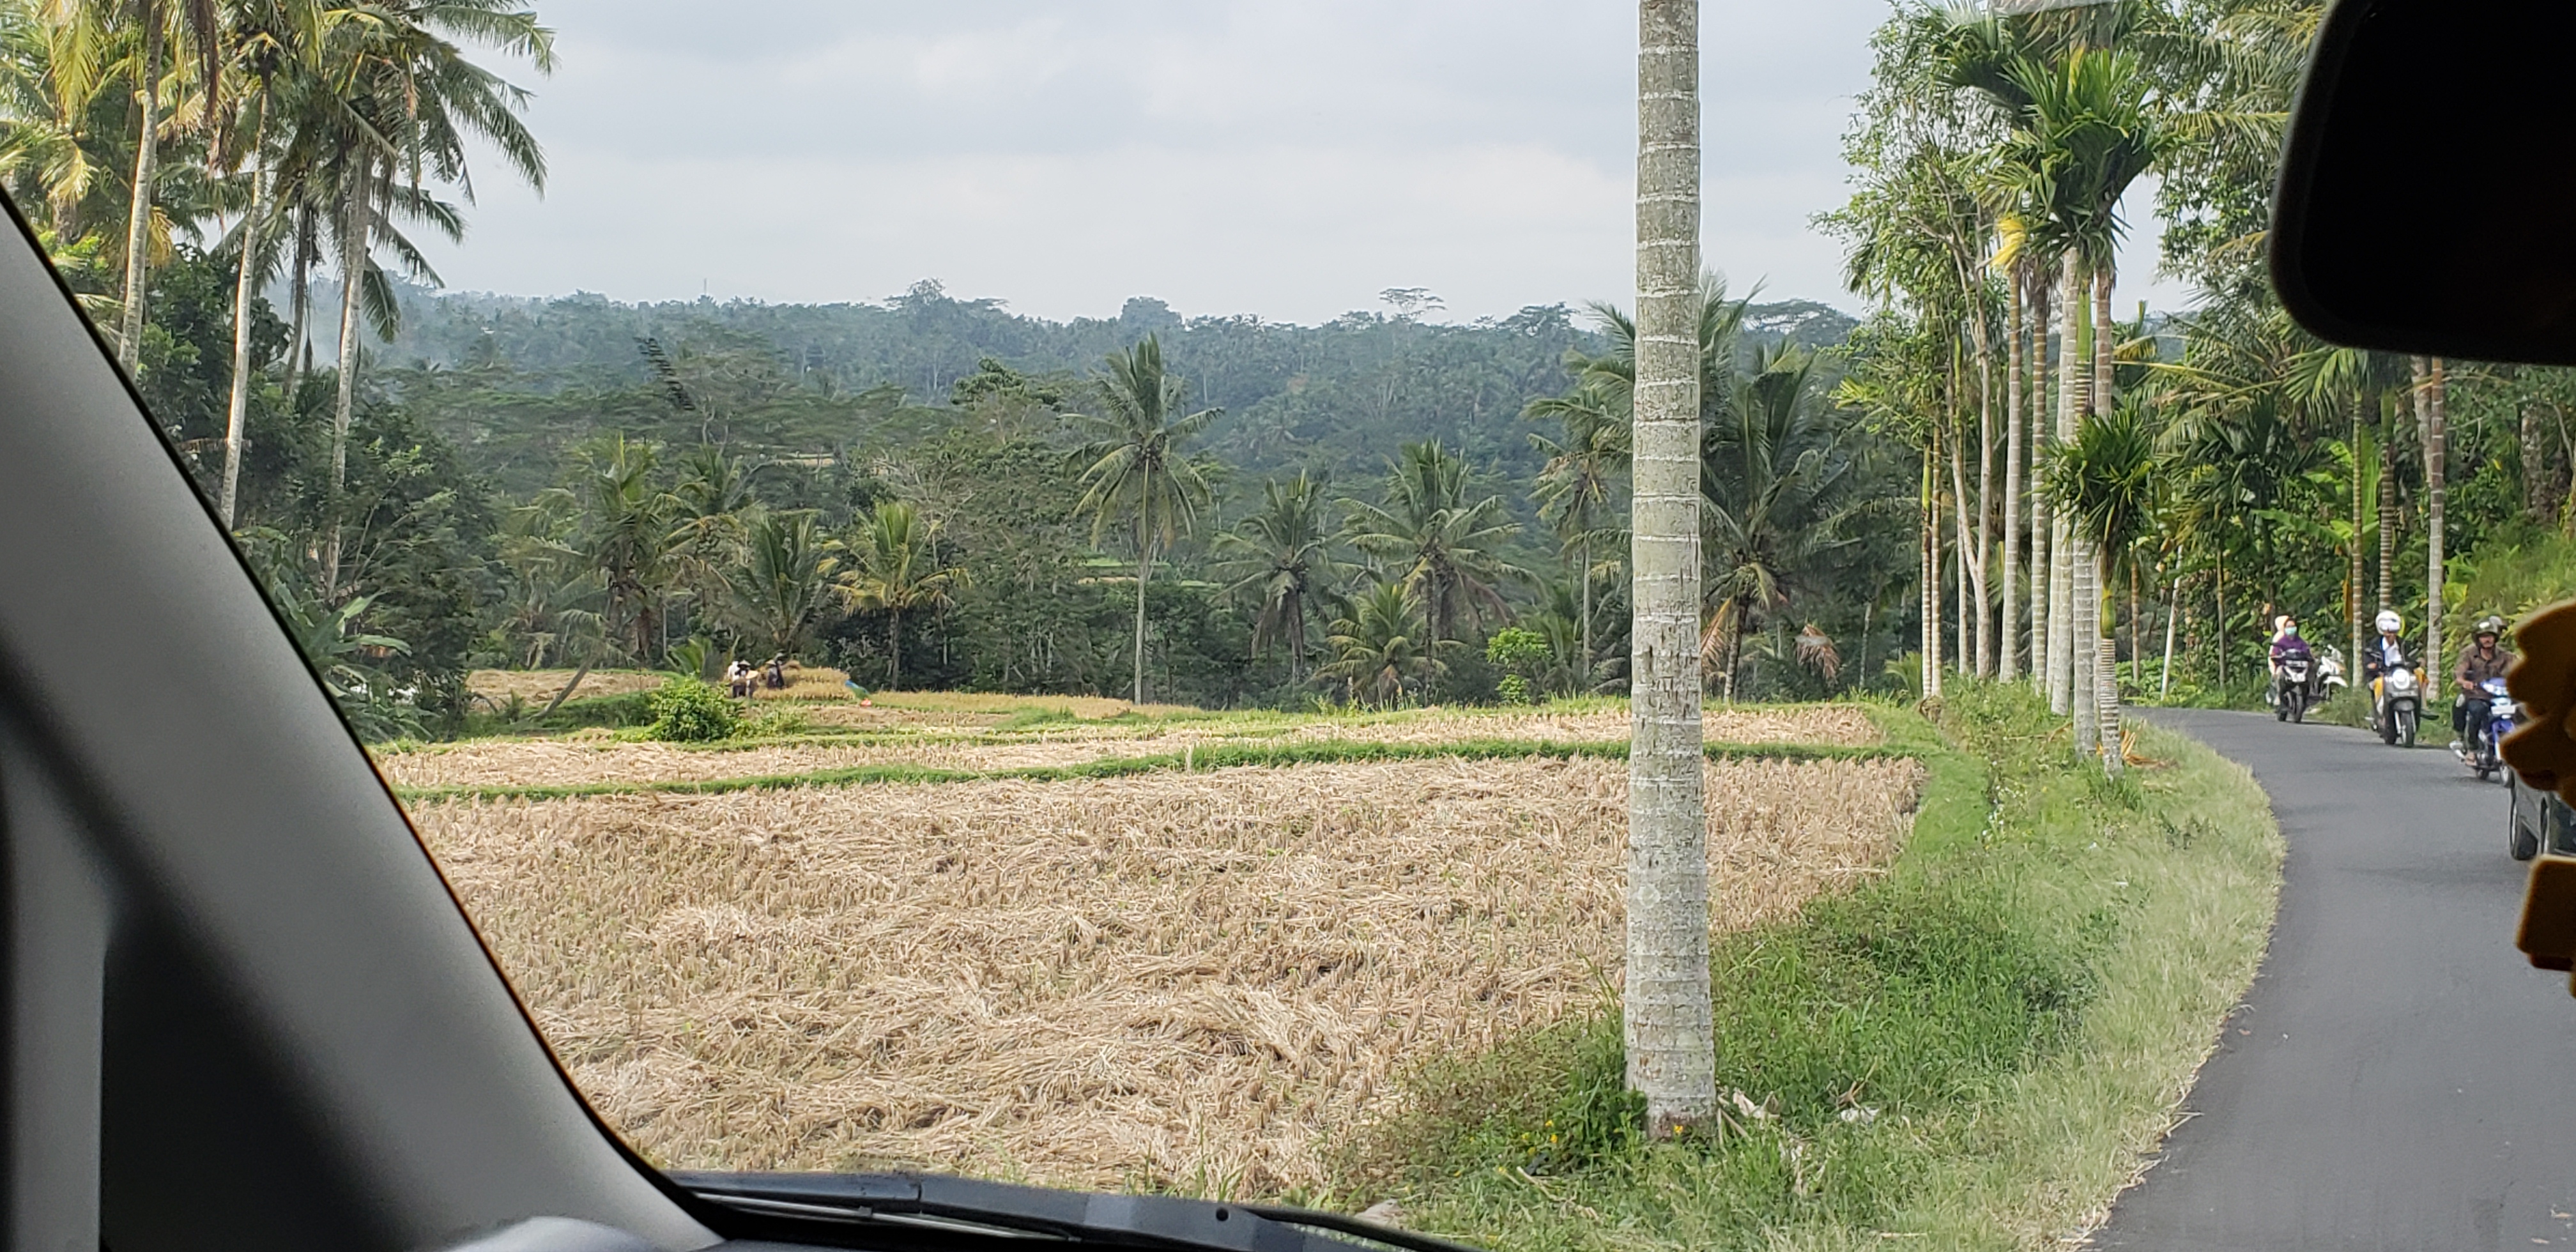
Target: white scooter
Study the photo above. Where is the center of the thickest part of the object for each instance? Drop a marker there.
(2329, 672)
(2399, 697)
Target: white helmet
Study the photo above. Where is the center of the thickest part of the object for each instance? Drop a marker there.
(2389, 622)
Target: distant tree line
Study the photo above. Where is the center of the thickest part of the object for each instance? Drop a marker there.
(928, 492)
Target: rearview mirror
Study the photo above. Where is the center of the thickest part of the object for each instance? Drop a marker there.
(2428, 196)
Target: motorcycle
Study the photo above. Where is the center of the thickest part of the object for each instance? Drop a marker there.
(2292, 689)
(2329, 673)
(2398, 696)
(2483, 750)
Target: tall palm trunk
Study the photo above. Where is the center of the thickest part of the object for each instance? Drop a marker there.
(2387, 507)
(2061, 573)
(2008, 660)
(1583, 597)
(1927, 575)
(2218, 628)
(2356, 567)
(2106, 667)
(1669, 1021)
(1965, 559)
(1935, 610)
(2106, 690)
(1988, 624)
(2173, 616)
(299, 347)
(1144, 570)
(2543, 487)
(2429, 418)
(2042, 550)
(138, 222)
(2086, 589)
(2137, 630)
(1976, 547)
(237, 411)
(894, 649)
(354, 230)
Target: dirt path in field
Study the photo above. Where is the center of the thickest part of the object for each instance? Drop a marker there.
(500, 763)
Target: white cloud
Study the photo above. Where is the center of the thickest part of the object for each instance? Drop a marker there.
(1286, 159)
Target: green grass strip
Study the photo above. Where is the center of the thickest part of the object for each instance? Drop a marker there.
(1202, 757)
(1971, 1051)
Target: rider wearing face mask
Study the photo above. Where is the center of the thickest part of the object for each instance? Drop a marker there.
(2485, 658)
(2286, 642)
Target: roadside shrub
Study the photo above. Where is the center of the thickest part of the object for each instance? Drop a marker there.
(686, 710)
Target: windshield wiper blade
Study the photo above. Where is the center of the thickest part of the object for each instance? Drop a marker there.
(963, 1212)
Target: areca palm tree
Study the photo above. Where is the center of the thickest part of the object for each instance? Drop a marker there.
(1137, 473)
(1439, 545)
(1282, 557)
(2090, 129)
(1580, 482)
(892, 568)
(1377, 657)
(2107, 485)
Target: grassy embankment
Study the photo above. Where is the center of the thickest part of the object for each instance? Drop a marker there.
(1975, 1049)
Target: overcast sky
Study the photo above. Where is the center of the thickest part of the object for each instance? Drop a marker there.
(1287, 158)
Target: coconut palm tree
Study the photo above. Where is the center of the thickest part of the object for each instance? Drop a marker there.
(712, 511)
(2343, 385)
(1137, 473)
(53, 74)
(1668, 1018)
(404, 103)
(1441, 546)
(267, 42)
(1777, 483)
(551, 593)
(1282, 557)
(892, 568)
(626, 536)
(1377, 657)
(788, 579)
(162, 26)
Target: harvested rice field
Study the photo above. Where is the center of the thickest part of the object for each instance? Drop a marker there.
(522, 763)
(1185, 979)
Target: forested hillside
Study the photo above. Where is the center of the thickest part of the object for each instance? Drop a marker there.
(515, 381)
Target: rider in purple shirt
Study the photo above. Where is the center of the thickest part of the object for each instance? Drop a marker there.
(2286, 644)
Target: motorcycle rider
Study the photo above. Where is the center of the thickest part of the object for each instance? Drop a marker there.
(2486, 657)
(2385, 653)
(2286, 644)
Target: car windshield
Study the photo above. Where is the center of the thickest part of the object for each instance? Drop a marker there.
(1689, 625)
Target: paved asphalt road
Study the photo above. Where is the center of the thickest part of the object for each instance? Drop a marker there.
(2398, 1077)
